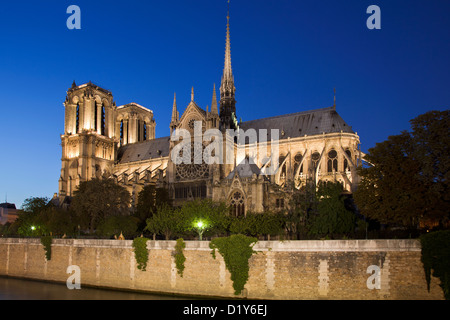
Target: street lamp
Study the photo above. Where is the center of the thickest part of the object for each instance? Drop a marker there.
(200, 226)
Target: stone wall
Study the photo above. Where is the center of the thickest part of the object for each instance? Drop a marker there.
(280, 270)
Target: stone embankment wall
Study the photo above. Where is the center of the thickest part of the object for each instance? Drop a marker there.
(347, 269)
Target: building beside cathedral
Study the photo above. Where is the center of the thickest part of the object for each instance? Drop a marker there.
(103, 140)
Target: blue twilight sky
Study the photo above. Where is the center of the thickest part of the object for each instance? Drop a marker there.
(287, 57)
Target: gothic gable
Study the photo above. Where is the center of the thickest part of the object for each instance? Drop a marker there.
(192, 113)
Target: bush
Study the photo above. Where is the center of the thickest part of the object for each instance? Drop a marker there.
(179, 256)
(436, 257)
(47, 243)
(141, 252)
(115, 225)
(235, 250)
(259, 224)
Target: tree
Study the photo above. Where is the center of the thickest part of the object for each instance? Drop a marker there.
(57, 221)
(96, 199)
(212, 215)
(332, 216)
(259, 224)
(302, 205)
(116, 225)
(29, 221)
(431, 140)
(408, 181)
(35, 204)
(27, 225)
(149, 198)
(165, 221)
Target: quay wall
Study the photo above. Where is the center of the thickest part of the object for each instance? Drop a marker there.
(282, 270)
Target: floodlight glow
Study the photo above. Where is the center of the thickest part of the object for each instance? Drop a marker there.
(200, 224)
(33, 228)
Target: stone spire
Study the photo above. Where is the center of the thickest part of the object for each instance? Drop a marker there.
(227, 88)
(192, 94)
(214, 109)
(334, 105)
(174, 109)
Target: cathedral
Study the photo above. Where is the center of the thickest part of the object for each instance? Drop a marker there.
(103, 140)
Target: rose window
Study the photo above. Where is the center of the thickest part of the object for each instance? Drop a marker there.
(193, 168)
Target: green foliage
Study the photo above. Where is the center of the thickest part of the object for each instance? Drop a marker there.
(115, 225)
(5, 229)
(57, 221)
(96, 199)
(46, 220)
(236, 250)
(179, 256)
(30, 218)
(239, 225)
(213, 215)
(258, 224)
(149, 199)
(302, 204)
(166, 221)
(47, 243)
(35, 204)
(408, 181)
(141, 252)
(389, 191)
(436, 257)
(27, 225)
(332, 216)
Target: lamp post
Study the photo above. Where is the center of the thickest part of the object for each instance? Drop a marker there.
(200, 226)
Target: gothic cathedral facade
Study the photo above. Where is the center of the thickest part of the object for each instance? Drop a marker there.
(103, 140)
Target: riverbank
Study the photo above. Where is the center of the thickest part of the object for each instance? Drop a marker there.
(12, 288)
(291, 270)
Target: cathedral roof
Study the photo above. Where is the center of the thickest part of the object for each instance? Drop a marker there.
(310, 123)
(245, 170)
(314, 122)
(147, 150)
(7, 205)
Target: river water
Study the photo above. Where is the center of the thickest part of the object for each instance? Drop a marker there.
(18, 289)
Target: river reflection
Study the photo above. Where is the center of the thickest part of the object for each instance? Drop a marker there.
(18, 289)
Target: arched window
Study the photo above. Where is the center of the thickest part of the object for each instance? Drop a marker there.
(78, 118)
(145, 131)
(315, 159)
(237, 205)
(346, 166)
(280, 162)
(121, 132)
(297, 159)
(95, 116)
(139, 131)
(103, 124)
(332, 161)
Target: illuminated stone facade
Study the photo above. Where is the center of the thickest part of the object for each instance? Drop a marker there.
(105, 140)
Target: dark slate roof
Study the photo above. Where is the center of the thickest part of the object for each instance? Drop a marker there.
(245, 170)
(294, 125)
(7, 205)
(311, 123)
(146, 150)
